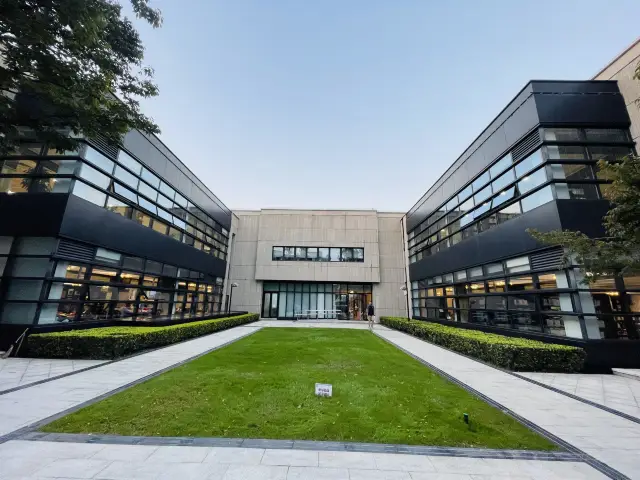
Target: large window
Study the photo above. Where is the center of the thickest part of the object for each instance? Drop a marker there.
(318, 254)
(111, 286)
(509, 188)
(113, 185)
(512, 294)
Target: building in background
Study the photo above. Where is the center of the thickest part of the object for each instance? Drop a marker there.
(622, 69)
(472, 262)
(106, 233)
(318, 264)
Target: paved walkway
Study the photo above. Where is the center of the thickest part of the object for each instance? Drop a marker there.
(39, 460)
(609, 438)
(18, 372)
(351, 324)
(613, 391)
(24, 407)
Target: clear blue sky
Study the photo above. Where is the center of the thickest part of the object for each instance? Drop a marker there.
(356, 103)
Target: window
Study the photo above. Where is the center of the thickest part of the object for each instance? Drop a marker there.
(323, 254)
(277, 253)
(146, 204)
(121, 174)
(562, 135)
(107, 256)
(180, 200)
(496, 302)
(160, 227)
(521, 302)
(529, 163)
(503, 197)
(301, 253)
(358, 254)
(149, 192)
(94, 176)
(496, 285)
(58, 167)
(606, 135)
(334, 254)
(150, 178)
(493, 268)
(90, 194)
(142, 218)
(520, 264)
(566, 153)
(574, 191)
(520, 283)
(536, 199)
(482, 195)
(475, 272)
(460, 276)
(289, 253)
(502, 181)
(532, 180)
(479, 182)
(501, 165)
(464, 193)
(165, 215)
(103, 274)
(119, 207)
(15, 185)
(98, 159)
(125, 192)
(312, 254)
(169, 192)
(610, 154)
(129, 162)
(571, 171)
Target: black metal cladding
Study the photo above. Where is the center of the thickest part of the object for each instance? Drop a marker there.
(539, 103)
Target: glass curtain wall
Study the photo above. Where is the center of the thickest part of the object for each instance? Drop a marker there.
(40, 287)
(344, 301)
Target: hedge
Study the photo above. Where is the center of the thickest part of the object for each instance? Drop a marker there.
(512, 353)
(114, 342)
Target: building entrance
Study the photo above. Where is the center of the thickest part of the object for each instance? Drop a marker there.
(288, 300)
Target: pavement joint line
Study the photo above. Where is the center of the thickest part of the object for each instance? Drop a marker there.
(109, 362)
(593, 462)
(626, 416)
(62, 375)
(303, 445)
(35, 425)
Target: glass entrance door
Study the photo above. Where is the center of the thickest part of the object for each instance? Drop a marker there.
(270, 305)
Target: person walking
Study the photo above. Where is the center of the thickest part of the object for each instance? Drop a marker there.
(370, 315)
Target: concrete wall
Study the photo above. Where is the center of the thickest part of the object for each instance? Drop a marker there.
(622, 69)
(378, 233)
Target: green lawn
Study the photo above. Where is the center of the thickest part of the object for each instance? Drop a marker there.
(263, 387)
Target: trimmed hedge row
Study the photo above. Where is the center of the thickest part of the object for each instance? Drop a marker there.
(114, 342)
(512, 353)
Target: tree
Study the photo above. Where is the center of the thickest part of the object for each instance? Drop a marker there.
(618, 252)
(62, 63)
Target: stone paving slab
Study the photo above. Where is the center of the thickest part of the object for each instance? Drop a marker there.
(616, 392)
(39, 459)
(20, 372)
(348, 324)
(608, 438)
(21, 408)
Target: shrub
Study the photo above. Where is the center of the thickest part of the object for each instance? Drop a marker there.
(518, 354)
(114, 342)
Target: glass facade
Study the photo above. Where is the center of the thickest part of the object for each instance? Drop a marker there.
(123, 186)
(344, 301)
(510, 294)
(318, 254)
(40, 286)
(564, 168)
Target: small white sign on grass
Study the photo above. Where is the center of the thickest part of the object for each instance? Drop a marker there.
(324, 390)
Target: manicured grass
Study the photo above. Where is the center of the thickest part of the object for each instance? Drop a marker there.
(263, 387)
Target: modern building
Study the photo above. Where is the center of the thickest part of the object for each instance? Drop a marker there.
(622, 69)
(318, 263)
(472, 262)
(107, 233)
